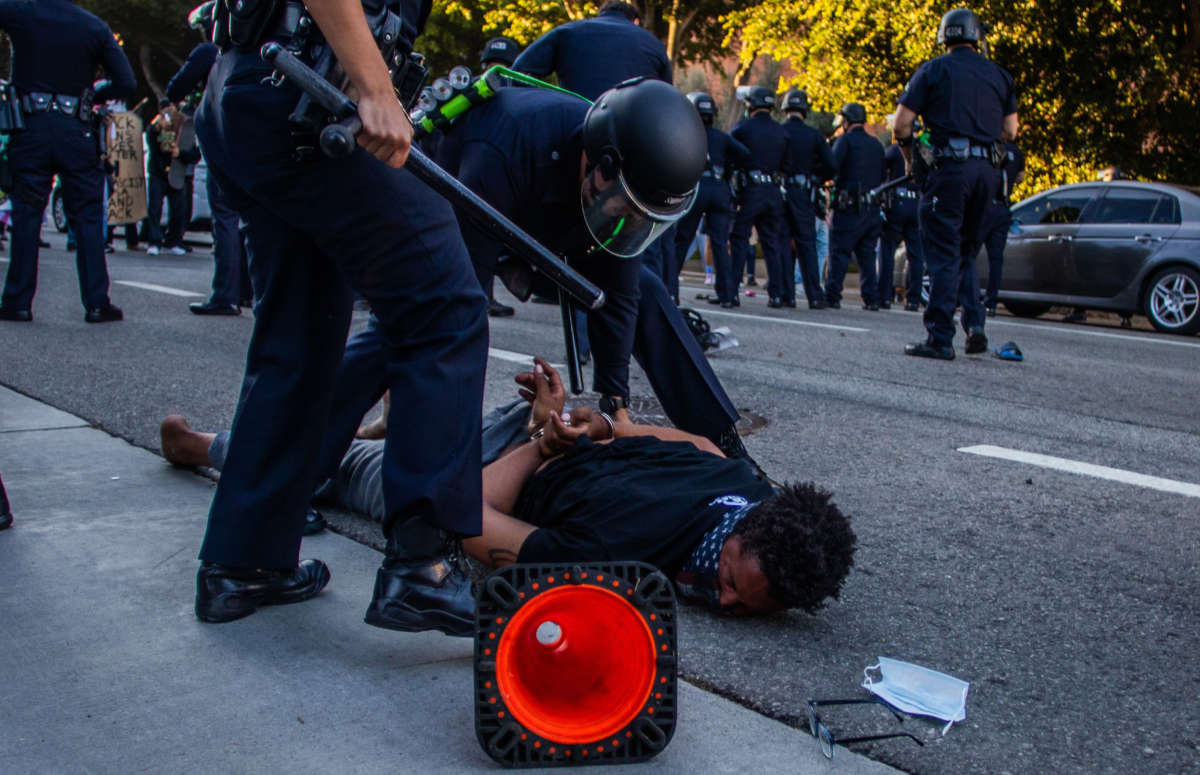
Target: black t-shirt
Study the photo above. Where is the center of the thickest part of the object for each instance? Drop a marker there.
(634, 499)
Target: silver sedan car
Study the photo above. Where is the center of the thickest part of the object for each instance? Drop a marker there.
(1120, 246)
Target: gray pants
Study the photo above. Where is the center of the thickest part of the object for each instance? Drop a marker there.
(358, 485)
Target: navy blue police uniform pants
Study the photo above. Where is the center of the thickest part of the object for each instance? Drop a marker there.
(995, 241)
(55, 143)
(954, 203)
(854, 236)
(714, 203)
(317, 229)
(760, 207)
(231, 280)
(803, 232)
(900, 225)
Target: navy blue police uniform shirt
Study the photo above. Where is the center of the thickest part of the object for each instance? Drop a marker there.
(520, 151)
(194, 72)
(593, 55)
(808, 152)
(56, 46)
(858, 161)
(724, 151)
(961, 94)
(765, 138)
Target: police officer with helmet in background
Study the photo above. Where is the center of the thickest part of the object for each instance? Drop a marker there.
(808, 163)
(714, 202)
(858, 166)
(57, 48)
(969, 107)
(394, 241)
(900, 225)
(760, 203)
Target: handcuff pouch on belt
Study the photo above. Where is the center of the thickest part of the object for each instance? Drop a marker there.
(11, 117)
(297, 32)
(67, 104)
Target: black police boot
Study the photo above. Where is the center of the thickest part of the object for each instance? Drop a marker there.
(109, 313)
(976, 342)
(422, 584)
(16, 315)
(225, 593)
(930, 350)
(774, 303)
(6, 519)
(498, 310)
(912, 306)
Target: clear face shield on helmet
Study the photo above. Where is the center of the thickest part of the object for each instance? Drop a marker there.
(620, 222)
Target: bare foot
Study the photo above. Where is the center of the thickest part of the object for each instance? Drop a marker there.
(181, 445)
(377, 429)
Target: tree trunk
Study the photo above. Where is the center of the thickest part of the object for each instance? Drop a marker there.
(144, 62)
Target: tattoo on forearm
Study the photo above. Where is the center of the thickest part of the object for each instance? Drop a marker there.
(499, 557)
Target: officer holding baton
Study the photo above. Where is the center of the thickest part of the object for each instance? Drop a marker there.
(316, 225)
(969, 107)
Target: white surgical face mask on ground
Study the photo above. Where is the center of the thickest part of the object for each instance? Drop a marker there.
(918, 690)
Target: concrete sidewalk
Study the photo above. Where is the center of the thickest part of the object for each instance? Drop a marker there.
(104, 668)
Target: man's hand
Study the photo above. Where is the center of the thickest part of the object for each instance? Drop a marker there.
(386, 129)
(557, 436)
(543, 389)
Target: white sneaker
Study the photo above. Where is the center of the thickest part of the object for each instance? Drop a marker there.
(709, 279)
(178, 251)
(152, 250)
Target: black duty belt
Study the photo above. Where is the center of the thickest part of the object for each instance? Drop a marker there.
(44, 102)
(973, 151)
(802, 182)
(713, 172)
(758, 176)
(906, 193)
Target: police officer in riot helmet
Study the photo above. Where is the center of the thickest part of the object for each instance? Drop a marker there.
(56, 50)
(969, 107)
(760, 203)
(858, 165)
(384, 234)
(900, 225)
(607, 179)
(714, 203)
(808, 163)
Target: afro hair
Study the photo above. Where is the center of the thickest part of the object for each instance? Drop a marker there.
(803, 543)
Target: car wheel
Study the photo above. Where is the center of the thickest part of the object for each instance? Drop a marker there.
(1027, 309)
(1172, 300)
(57, 212)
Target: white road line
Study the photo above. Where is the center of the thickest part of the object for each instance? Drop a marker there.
(158, 288)
(1087, 469)
(788, 321)
(512, 357)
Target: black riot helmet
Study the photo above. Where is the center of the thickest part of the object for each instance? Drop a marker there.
(961, 25)
(201, 18)
(706, 106)
(853, 113)
(499, 51)
(795, 100)
(758, 97)
(646, 149)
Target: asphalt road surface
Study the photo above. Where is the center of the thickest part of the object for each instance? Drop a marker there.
(1065, 595)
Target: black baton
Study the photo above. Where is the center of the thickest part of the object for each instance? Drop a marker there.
(874, 194)
(339, 140)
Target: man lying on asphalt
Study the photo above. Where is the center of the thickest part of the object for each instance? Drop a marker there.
(582, 488)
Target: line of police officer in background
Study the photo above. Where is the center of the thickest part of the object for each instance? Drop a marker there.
(783, 180)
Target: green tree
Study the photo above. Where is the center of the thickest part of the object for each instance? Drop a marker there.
(1099, 82)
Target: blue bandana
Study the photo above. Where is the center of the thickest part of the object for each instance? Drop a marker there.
(697, 580)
